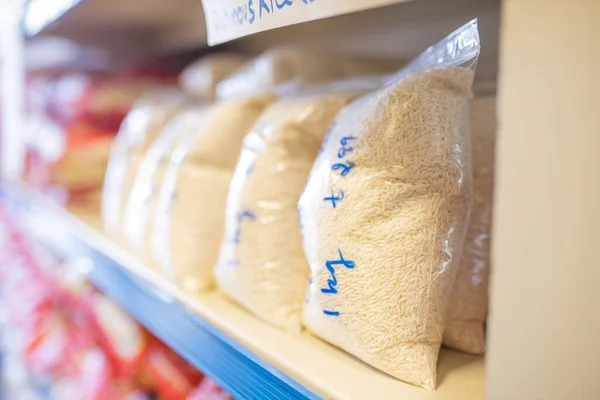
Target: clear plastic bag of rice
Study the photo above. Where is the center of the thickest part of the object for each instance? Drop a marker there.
(200, 78)
(144, 193)
(285, 66)
(141, 126)
(190, 214)
(469, 302)
(262, 264)
(385, 210)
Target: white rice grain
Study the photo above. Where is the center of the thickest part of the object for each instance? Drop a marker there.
(383, 261)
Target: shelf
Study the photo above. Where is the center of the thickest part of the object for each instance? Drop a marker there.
(247, 357)
(123, 27)
(40, 14)
(391, 29)
(225, 19)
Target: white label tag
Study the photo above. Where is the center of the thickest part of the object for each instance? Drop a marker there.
(230, 19)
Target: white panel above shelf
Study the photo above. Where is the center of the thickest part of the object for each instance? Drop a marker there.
(231, 19)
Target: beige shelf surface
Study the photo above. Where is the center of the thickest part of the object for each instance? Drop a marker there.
(319, 366)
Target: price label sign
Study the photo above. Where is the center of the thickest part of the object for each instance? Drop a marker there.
(230, 19)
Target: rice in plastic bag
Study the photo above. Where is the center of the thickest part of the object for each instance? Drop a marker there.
(191, 205)
(284, 66)
(200, 78)
(469, 302)
(140, 208)
(385, 211)
(139, 129)
(262, 263)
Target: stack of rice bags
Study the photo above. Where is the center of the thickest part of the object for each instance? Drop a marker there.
(384, 214)
(140, 128)
(375, 243)
(145, 140)
(190, 215)
(384, 256)
(286, 68)
(199, 81)
(262, 263)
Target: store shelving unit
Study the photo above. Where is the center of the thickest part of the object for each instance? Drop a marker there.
(544, 325)
(247, 357)
(124, 28)
(156, 305)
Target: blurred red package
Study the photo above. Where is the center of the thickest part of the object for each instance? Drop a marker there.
(95, 377)
(90, 379)
(99, 100)
(81, 167)
(173, 377)
(74, 289)
(209, 390)
(122, 338)
(72, 120)
(69, 163)
(24, 294)
(50, 349)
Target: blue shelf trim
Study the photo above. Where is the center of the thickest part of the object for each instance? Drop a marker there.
(236, 369)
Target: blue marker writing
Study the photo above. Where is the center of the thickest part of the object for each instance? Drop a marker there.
(332, 283)
(345, 140)
(252, 15)
(343, 151)
(345, 168)
(282, 3)
(240, 217)
(333, 198)
(262, 5)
